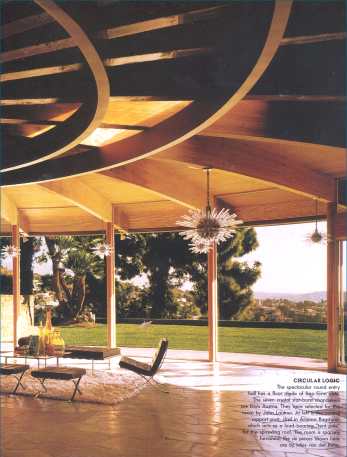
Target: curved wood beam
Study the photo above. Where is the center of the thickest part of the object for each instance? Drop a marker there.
(180, 127)
(160, 178)
(312, 121)
(64, 139)
(244, 158)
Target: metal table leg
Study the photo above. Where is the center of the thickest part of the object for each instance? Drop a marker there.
(76, 388)
(19, 382)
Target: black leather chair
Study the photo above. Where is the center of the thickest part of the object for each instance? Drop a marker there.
(146, 370)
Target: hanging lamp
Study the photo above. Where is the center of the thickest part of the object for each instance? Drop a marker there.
(102, 250)
(316, 236)
(208, 225)
(10, 251)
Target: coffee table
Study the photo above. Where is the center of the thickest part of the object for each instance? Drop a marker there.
(13, 355)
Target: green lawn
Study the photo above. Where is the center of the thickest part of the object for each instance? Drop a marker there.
(291, 342)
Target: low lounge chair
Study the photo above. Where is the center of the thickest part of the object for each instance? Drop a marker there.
(145, 370)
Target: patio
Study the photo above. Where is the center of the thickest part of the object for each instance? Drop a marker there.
(202, 416)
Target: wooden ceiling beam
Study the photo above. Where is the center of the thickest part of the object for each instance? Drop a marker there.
(150, 98)
(39, 72)
(161, 179)
(115, 32)
(155, 56)
(80, 194)
(254, 160)
(283, 211)
(120, 219)
(160, 23)
(319, 122)
(151, 215)
(24, 223)
(105, 125)
(110, 62)
(25, 24)
(9, 210)
(309, 39)
(297, 98)
(37, 49)
(29, 101)
(18, 121)
(11, 213)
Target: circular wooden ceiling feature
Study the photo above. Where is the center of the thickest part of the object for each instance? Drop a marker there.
(210, 56)
(63, 136)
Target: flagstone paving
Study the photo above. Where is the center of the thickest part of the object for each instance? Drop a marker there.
(201, 416)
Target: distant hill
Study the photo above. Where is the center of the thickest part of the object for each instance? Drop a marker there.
(310, 296)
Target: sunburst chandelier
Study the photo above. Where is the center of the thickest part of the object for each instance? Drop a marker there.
(10, 251)
(208, 225)
(102, 250)
(316, 236)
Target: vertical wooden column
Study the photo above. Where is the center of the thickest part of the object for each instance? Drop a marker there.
(16, 282)
(110, 284)
(340, 311)
(333, 274)
(212, 302)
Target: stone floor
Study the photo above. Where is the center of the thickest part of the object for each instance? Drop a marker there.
(203, 415)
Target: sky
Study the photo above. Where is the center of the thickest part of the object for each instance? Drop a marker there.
(290, 264)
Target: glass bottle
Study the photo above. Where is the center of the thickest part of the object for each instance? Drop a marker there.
(58, 343)
(42, 338)
(49, 332)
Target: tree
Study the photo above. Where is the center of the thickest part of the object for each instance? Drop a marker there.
(165, 259)
(168, 262)
(74, 254)
(235, 278)
(28, 247)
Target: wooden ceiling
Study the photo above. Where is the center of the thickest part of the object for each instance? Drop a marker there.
(112, 110)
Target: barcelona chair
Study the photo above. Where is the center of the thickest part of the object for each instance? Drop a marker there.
(146, 370)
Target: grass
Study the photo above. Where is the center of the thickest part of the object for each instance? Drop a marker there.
(286, 342)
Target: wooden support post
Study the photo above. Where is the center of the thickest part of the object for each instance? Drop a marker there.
(340, 313)
(212, 287)
(332, 286)
(16, 282)
(111, 294)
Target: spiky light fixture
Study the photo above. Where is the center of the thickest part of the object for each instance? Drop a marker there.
(10, 251)
(208, 225)
(102, 250)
